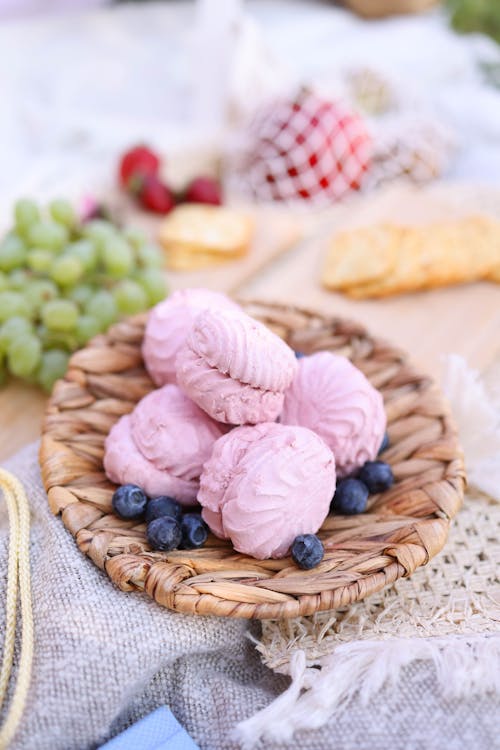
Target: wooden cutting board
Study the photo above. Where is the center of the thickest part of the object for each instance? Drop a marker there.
(284, 267)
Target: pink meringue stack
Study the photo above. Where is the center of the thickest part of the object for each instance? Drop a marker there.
(330, 396)
(162, 445)
(266, 484)
(235, 368)
(168, 326)
(261, 483)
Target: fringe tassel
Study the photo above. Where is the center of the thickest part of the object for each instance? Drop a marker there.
(477, 414)
(465, 665)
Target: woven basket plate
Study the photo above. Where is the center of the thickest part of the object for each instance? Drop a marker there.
(403, 528)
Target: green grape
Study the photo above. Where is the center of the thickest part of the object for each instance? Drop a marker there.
(24, 355)
(98, 280)
(135, 237)
(12, 329)
(99, 231)
(102, 307)
(86, 252)
(26, 213)
(18, 279)
(57, 339)
(63, 212)
(81, 293)
(60, 315)
(117, 257)
(39, 291)
(39, 260)
(150, 255)
(99, 227)
(3, 372)
(130, 297)
(66, 270)
(52, 367)
(48, 235)
(153, 283)
(4, 283)
(14, 304)
(12, 252)
(86, 328)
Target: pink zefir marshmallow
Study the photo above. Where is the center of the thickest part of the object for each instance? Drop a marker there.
(125, 464)
(266, 484)
(173, 433)
(330, 396)
(235, 368)
(169, 323)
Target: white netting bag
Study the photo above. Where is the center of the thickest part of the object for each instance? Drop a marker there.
(411, 146)
(370, 91)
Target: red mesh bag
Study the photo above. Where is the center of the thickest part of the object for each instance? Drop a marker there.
(304, 148)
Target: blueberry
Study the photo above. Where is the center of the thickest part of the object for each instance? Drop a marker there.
(385, 443)
(129, 501)
(164, 533)
(299, 355)
(307, 551)
(163, 506)
(350, 497)
(377, 475)
(194, 531)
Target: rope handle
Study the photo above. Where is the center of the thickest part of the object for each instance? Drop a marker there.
(18, 585)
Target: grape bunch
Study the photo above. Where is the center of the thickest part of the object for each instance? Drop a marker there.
(63, 281)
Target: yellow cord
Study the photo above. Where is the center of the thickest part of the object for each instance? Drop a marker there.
(18, 578)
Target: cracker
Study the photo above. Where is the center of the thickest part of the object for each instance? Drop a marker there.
(406, 274)
(361, 256)
(185, 258)
(195, 236)
(458, 252)
(492, 234)
(437, 255)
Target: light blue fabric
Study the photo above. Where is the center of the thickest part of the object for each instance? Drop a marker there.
(157, 731)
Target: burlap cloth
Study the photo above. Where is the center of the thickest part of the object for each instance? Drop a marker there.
(104, 658)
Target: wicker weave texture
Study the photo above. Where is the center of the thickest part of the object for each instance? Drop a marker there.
(403, 528)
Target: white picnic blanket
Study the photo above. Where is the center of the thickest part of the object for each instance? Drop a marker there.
(96, 81)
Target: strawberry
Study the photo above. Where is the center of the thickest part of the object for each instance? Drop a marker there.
(304, 148)
(204, 190)
(154, 195)
(136, 163)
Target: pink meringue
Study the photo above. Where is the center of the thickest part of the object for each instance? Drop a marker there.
(235, 368)
(168, 325)
(125, 464)
(266, 484)
(330, 396)
(173, 433)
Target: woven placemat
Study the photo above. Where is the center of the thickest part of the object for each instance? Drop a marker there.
(403, 528)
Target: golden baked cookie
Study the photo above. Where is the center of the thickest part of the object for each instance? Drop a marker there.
(406, 274)
(425, 257)
(492, 238)
(195, 236)
(361, 256)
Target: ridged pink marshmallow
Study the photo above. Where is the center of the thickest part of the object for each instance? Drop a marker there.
(125, 464)
(235, 368)
(168, 325)
(173, 433)
(332, 397)
(266, 484)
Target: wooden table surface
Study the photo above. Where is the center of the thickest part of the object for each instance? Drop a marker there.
(429, 325)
